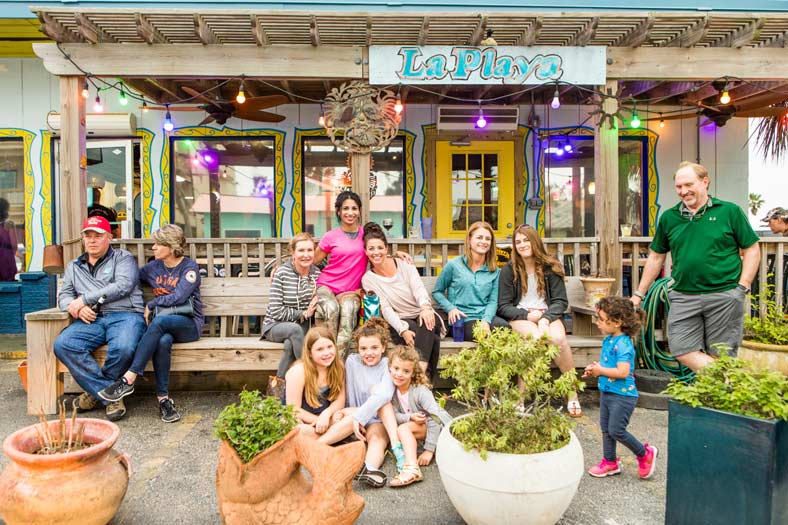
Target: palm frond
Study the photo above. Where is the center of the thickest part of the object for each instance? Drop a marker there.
(771, 137)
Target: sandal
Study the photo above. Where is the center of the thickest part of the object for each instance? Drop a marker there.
(573, 408)
(373, 478)
(409, 474)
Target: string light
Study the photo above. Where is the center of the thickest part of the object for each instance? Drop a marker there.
(661, 121)
(85, 90)
(398, 107)
(725, 98)
(122, 99)
(241, 96)
(97, 106)
(481, 122)
(144, 106)
(556, 102)
(321, 121)
(635, 122)
(168, 125)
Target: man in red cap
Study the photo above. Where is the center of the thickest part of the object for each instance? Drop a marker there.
(101, 292)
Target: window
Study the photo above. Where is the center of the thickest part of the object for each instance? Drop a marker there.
(224, 187)
(570, 186)
(327, 173)
(12, 208)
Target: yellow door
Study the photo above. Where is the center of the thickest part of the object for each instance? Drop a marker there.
(474, 183)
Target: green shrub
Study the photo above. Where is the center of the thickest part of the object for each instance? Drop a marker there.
(735, 386)
(255, 424)
(771, 327)
(487, 384)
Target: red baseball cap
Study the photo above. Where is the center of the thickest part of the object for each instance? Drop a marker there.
(96, 224)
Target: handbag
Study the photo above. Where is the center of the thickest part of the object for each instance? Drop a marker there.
(186, 309)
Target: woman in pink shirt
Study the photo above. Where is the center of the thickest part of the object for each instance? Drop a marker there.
(340, 281)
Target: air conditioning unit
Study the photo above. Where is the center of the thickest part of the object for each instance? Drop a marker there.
(100, 124)
(498, 118)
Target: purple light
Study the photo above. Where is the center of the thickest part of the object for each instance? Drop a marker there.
(208, 158)
(481, 122)
(568, 147)
(559, 152)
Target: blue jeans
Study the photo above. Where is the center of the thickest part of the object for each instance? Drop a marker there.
(157, 342)
(120, 331)
(614, 414)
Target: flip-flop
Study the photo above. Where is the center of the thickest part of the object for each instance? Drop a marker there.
(574, 409)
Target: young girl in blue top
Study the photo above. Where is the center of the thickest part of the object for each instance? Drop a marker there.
(467, 287)
(619, 323)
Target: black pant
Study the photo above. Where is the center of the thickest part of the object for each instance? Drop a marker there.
(497, 322)
(427, 343)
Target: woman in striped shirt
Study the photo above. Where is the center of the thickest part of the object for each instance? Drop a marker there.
(292, 301)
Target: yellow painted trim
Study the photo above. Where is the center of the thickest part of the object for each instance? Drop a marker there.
(25, 31)
(146, 180)
(47, 192)
(410, 177)
(205, 131)
(29, 183)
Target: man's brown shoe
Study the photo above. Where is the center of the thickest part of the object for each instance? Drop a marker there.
(84, 402)
(116, 410)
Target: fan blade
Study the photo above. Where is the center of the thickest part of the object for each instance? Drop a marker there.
(196, 94)
(673, 117)
(704, 123)
(258, 116)
(761, 101)
(256, 103)
(763, 112)
(712, 108)
(206, 120)
(171, 108)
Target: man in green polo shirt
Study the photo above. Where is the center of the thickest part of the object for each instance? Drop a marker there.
(715, 256)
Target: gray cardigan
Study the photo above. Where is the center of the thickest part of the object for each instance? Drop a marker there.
(420, 398)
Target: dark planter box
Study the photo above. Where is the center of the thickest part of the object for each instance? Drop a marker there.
(725, 468)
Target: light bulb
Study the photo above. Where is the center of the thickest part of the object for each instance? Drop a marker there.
(97, 106)
(556, 103)
(144, 107)
(241, 97)
(123, 100)
(661, 123)
(321, 121)
(85, 90)
(635, 122)
(168, 125)
(725, 98)
(398, 107)
(481, 122)
(568, 147)
(559, 152)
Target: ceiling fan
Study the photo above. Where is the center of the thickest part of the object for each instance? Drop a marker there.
(220, 110)
(753, 107)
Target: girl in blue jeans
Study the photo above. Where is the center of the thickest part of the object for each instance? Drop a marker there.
(175, 280)
(618, 322)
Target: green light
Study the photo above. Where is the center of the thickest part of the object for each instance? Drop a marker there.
(635, 122)
(123, 100)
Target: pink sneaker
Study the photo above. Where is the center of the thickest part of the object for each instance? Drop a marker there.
(647, 462)
(605, 468)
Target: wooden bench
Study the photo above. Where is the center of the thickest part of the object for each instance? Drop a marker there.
(233, 307)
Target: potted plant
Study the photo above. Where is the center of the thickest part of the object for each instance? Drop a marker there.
(258, 475)
(728, 446)
(597, 286)
(513, 458)
(63, 471)
(765, 341)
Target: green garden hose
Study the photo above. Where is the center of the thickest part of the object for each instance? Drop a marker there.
(650, 354)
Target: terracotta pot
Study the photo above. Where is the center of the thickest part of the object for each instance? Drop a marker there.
(84, 487)
(22, 371)
(596, 288)
(53, 259)
(773, 357)
(271, 488)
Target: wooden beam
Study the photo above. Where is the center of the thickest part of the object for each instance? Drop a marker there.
(780, 41)
(669, 90)
(147, 32)
(478, 32)
(635, 88)
(142, 60)
(314, 32)
(424, 31)
(360, 165)
(742, 36)
(73, 164)
(443, 92)
(204, 32)
(606, 197)
(639, 34)
(90, 31)
(167, 86)
(482, 91)
(140, 86)
(745, 91)
(586, 34)
(530, 35)
(691, 35)
(54, 30)
(702, 92)
(287, 87)
(656, 63)
(260, 37)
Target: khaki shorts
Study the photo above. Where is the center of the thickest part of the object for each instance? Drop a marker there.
(699, 322)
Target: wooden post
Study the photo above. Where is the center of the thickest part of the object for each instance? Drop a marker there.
(45, 385)
(606, 201)
(73, 165)
(360, 165)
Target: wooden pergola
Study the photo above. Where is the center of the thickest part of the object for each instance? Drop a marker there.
(666, 56)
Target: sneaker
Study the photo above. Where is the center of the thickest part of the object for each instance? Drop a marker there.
(373, 478)
(169, 414)
(116, 410)
(647, 462)
(116, 391)
(605, 468)
(399, 455)
(84, 402)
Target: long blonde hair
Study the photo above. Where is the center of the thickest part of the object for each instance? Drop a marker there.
(410, 355)
(489, 257)
(541, 258)
(335, 373)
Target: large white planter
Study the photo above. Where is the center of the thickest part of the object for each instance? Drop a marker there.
(520, 489)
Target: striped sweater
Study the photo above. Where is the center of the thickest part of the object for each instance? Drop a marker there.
(289, 295)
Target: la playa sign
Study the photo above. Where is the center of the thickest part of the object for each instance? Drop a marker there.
(486, 65)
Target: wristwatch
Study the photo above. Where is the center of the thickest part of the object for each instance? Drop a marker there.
(743, 288)
(637, 293)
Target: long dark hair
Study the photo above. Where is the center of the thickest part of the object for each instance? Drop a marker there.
(541, 258)
(342, 197)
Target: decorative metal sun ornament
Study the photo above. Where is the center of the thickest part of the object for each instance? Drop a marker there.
(360, 118)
